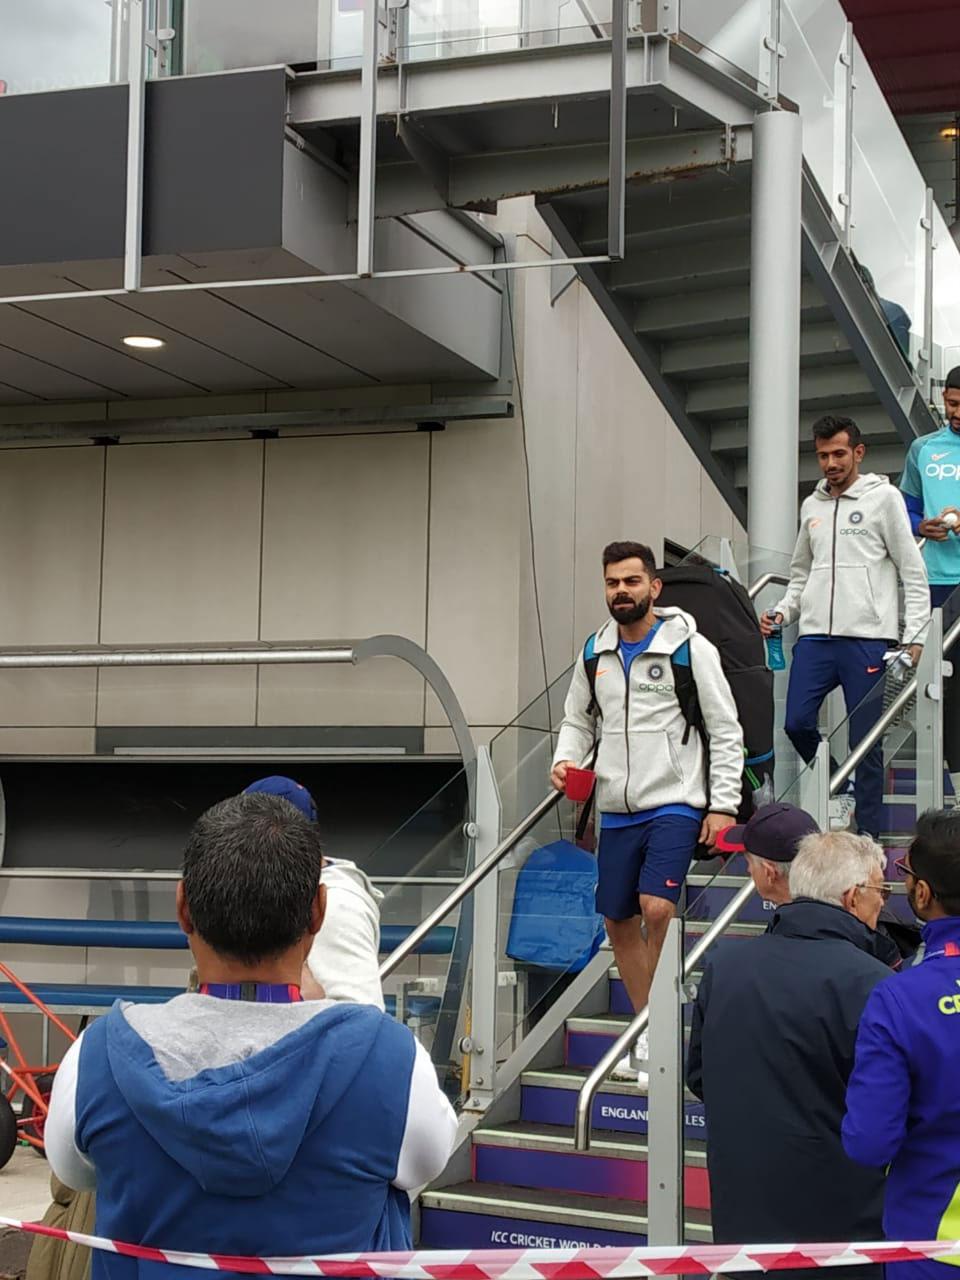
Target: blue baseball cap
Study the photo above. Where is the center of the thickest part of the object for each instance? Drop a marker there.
(295, 792)
(773, 832)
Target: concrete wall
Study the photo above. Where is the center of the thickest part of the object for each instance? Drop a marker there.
(327, 537)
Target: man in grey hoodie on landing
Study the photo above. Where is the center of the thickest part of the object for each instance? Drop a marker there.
(855, 541)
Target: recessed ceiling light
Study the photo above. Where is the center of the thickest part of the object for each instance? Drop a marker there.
(144, 342)
(951, 131)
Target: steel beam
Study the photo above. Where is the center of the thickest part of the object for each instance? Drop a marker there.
(97, 419)
(136, 102)
(775, 305)
(367, 179)
(516, 79)
(617, 138)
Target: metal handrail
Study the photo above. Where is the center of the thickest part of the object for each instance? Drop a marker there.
(469, 883)
(764, 581)
(625, 1042)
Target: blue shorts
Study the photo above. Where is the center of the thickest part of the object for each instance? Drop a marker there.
(648, 857)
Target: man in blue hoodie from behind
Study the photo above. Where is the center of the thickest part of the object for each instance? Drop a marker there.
(242, 1119)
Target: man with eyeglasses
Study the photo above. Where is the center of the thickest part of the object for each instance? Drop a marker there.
(779, 1015)
(902, 1099)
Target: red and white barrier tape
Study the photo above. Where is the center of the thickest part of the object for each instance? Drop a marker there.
(528, 1264)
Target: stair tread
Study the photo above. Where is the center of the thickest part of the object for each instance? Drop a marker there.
(565, 1207)
(550, 1137)
(599, 1023)
(572, 1078)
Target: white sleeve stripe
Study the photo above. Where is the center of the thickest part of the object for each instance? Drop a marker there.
(60, 1128)
(431, 1128)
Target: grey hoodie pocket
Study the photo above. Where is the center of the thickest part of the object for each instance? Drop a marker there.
(656, 773)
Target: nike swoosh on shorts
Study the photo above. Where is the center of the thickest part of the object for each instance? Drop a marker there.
(872, 671)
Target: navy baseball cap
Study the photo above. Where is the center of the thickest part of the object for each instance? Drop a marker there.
(295, 792)
(773, 832)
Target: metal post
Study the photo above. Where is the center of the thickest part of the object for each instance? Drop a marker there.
(367, 180)
(772, 53)
(482, 1044)
(843, 170)
(814, 787)
(665, 1094)
(929, 718)
(925, 362)
(136, 90)
(617, 184)
(774, 413)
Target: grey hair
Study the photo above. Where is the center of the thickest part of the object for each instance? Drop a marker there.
(780, 869)
(827, 865)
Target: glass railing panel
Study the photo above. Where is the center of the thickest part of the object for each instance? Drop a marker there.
(811, 76)
(946, 290)
(727, 33)
(547, 927)
(68, 45)
(462, 28)
(888, 207)
(522, 752)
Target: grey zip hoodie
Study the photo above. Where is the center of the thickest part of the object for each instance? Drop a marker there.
(643, 761)
(843, 575)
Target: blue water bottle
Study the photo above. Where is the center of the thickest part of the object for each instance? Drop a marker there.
(775, 658)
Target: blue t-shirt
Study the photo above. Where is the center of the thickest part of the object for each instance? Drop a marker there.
(628, 651)
(930, 482)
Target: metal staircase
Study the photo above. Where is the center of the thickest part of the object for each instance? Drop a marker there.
(680, 301)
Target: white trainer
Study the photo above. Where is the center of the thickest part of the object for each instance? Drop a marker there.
(627, 1068)
(841, 811)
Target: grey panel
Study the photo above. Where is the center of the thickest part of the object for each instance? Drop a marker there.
(42, 379)
(214, 162)
(64, 160)
(357, 331)
(122, 374)
(14, 395)
(217, 321)
(109, 321)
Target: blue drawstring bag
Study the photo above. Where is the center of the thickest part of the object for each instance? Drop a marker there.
(554, 924)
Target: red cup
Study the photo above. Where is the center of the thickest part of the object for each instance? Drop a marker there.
(579, 784)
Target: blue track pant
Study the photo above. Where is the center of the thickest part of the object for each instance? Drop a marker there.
(820, 665)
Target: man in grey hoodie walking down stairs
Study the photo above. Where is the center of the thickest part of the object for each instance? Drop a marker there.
(855, 541)
(650, 706)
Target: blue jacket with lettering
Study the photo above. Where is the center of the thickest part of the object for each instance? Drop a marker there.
(903, 1099)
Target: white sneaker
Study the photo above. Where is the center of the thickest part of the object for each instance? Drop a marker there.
(841, 811)
(627, 1069)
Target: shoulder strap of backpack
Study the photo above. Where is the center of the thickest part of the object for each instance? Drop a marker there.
(686, 690)
(590, 663)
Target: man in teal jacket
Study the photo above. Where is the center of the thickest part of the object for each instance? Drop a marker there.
(930, 485)
(902, 1098)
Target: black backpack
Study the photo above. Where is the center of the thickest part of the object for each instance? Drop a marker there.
(726, 617)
